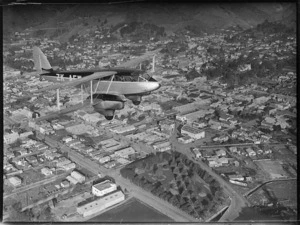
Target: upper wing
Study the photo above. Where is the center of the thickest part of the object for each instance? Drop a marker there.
(76, 82)
(135, 62)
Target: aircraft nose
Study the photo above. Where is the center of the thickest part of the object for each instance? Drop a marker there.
(156, 85)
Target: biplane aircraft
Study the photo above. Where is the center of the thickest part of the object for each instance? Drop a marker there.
(108, 88)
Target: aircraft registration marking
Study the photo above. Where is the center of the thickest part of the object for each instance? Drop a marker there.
(60, 77)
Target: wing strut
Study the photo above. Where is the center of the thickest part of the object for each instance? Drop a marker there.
(112, 79)
(57, 99)
(91, 91)
(81, 93)
(153, 64)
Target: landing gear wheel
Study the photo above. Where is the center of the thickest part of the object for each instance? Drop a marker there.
(136, 102)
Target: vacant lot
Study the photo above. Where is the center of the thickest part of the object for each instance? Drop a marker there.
(272, 168)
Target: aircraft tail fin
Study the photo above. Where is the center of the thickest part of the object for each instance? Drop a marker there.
(41, 62)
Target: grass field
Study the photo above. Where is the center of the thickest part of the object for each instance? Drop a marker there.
(272, 168)
(284, 190)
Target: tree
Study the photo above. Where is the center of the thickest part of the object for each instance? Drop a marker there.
(204, 202)
(155, 167)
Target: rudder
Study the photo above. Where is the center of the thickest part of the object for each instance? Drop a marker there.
(40, 60)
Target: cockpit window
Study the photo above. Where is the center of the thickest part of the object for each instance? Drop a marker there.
(146, 76)
(129, 77)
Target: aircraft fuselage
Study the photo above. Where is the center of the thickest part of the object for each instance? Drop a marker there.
(117, 86)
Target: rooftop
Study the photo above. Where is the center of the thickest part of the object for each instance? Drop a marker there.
(191, 129)
(103, 185)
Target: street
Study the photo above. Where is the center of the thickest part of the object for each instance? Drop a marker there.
(34, 185)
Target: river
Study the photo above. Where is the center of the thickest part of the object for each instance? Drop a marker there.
(132, 211)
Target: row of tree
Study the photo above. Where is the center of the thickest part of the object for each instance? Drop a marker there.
(182, 189)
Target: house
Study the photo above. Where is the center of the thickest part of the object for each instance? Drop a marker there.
(46, 171)
(15, 181)
(233, 149)
(197, 152)
(104, 159)
(69, 166)
(65, 184)
(110, 165)
(221, 152)
(251, 152)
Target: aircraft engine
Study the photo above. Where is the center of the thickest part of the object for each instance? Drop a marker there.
(136, 99)
(107, 108)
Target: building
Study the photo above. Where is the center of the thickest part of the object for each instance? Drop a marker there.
(46, 171)
(78, 176)
(15, 181)
(124, 153)
(62, 161)
(158, 146)
(72, 180)
(251, 152)
(110, 164)
(104, 159)
(185, 140)
(238, 183)
(100, 204)
(192, 132)
(236, 177)
(69, 166)
(25, 134)
(221, 152)
(121, 130)
(11, 138)
(103, 188)
(65, 184)
(233, 149)
(197, 152)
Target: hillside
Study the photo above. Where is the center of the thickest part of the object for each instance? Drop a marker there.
(173, 17)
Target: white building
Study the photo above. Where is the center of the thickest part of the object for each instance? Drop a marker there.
(238, 183)
(103, 188)
(46, 171)
(15, 181)
(100, 204)
(11, 138)
(251, 152)
(72, 180)
(236, 177)
(192, 132)
(78, 176)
